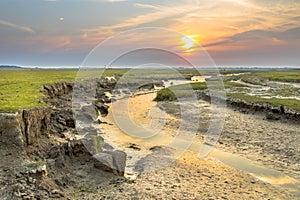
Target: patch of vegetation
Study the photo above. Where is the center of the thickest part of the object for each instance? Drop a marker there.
(36, 164)
(175, 92)
(165, 95)
(98, 142)
(21, 88)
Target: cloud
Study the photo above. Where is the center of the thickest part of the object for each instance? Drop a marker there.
(141, 5)
(161, 12)
(260, 36)
(17, 27)
(296, 18)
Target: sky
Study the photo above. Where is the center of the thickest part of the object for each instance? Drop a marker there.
(233, 32)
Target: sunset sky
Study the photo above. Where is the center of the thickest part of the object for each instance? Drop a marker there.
(234, 32)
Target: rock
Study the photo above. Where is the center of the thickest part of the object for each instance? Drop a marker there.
(272, 116)
(107, 147)
(93, 143)
(70, 122)
(87, 114)
(102, 108)
(42, 168)
(54, 152)
(112, 161)
(105, 163)
(31, 180)
(119, 158)
(56, 194)
(134, 146)
(42, 194)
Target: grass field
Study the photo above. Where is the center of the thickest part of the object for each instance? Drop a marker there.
(22, 88)
(288, 76)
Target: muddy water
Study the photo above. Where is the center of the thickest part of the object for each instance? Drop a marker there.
(143, 105)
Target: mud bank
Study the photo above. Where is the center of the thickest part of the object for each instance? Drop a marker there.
(42, 156)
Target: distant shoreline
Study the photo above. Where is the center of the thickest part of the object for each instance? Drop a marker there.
(247, 68)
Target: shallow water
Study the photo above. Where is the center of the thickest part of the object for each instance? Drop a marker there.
(260, 172)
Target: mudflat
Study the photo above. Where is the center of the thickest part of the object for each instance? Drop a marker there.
(191, 177)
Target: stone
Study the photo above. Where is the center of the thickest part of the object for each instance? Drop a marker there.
(272, 116)
(54, 152)
(42, 168)
(105, 162)
(102, 108)
(112, 161)
(134, 146)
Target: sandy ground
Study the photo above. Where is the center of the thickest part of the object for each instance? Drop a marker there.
(190, 177)
(273, 143)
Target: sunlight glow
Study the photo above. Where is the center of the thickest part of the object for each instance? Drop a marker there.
(188, 43)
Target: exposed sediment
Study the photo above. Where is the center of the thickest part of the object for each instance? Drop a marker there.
(41, 145)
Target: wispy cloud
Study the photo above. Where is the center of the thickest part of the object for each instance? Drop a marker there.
(261, 37)
(160, 12)
(141, 5)
(17, 27)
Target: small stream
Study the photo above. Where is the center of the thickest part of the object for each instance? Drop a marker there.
(260, 172)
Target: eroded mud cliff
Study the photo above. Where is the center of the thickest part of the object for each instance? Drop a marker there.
(42, 156)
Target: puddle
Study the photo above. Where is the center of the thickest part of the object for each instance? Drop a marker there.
(236, 74)
(246, 84)
(168, 83)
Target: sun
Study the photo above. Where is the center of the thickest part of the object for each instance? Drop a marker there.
(188, 43)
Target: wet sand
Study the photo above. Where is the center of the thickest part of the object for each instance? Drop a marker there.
(188, 177)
